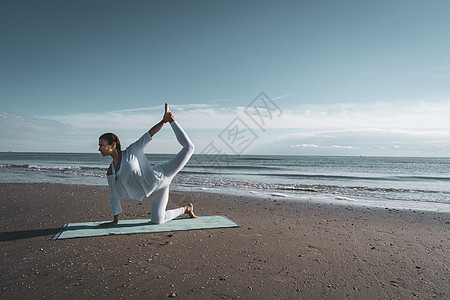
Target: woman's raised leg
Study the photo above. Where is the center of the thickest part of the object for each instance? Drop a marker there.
(172, 167)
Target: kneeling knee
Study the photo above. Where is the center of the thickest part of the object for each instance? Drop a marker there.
(157, 221)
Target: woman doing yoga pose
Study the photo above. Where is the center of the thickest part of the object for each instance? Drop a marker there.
(131, 176)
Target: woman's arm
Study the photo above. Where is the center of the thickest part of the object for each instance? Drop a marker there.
(168, 117)
(156, 128)
(114, 200)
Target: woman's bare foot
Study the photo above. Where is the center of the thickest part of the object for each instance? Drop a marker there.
(112, 223)
(189, 209)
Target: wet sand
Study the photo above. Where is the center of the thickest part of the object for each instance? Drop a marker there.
(282, 250)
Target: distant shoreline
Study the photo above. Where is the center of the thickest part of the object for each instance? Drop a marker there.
(232, 154)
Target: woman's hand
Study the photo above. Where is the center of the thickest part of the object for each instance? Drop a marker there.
(168, 115)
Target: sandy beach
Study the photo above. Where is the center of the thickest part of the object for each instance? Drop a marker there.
(282, 250)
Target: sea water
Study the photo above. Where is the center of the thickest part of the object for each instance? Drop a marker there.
(393, 182)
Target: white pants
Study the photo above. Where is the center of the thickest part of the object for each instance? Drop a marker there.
(160, 197)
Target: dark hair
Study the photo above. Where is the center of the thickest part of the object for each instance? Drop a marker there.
(111, 138)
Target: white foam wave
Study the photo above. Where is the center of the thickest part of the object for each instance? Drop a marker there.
(345, 199)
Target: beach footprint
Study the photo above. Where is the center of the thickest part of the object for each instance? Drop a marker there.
(313, 249)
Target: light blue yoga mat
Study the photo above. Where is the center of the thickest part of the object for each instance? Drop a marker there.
(88, 229)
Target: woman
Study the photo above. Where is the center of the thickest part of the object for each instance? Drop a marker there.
(130, 175)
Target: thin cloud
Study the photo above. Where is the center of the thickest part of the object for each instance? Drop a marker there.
(191, 116)
(136, 109)
(318, 146)
(335, 134)
(161, 108)
(281, 97)
(27, 133)
(418, 128)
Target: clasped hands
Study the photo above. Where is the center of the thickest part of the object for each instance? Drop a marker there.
(168, 115)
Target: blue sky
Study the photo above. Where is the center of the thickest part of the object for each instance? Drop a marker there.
(348, 77)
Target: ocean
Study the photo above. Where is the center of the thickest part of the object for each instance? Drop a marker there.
(386, 182)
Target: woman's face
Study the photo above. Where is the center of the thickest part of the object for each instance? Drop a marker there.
(104, 148)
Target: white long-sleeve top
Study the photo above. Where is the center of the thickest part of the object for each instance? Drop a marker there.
(136, 178)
